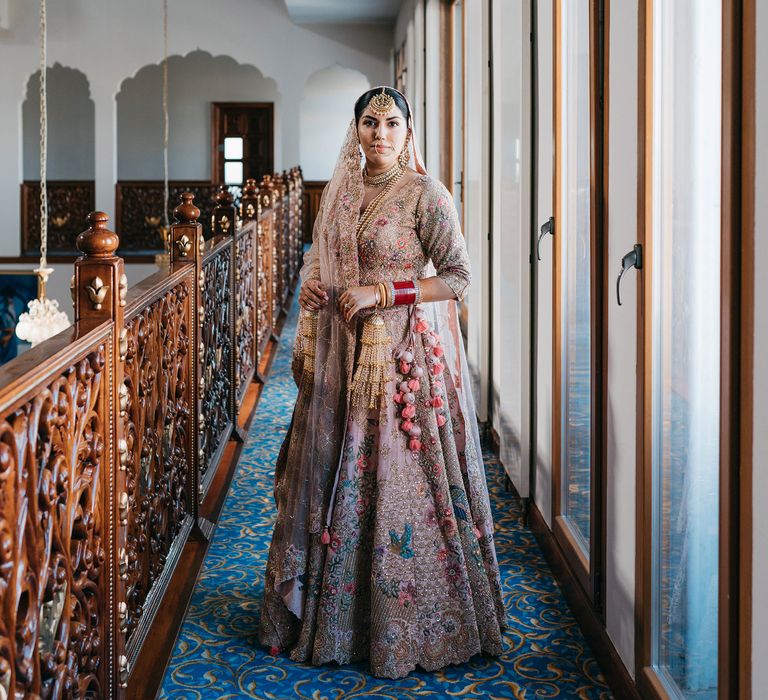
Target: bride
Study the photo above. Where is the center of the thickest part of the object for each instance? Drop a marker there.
(383, 547)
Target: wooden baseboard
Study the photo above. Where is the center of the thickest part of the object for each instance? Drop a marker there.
(616, 674)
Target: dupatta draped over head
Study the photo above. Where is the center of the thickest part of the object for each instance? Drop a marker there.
(315, 446)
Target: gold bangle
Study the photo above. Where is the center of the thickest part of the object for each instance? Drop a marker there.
(382, 295)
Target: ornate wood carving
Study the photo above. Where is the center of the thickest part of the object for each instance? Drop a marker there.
(281, 244)
(139, 212)
(68, 206)
(245, 325)
(215, 355)
(155, 458)
(53, 534)
(312, 192)
(265, 305)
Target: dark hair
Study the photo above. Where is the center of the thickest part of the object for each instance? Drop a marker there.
(366, 97)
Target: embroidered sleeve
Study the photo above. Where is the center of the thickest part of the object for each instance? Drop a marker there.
(438, 227)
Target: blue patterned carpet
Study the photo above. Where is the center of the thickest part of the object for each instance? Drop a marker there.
(217, 656)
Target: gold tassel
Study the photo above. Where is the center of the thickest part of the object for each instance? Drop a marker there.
(308, 333)
(371, 373)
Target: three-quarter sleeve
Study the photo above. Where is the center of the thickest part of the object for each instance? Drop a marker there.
(437, 224)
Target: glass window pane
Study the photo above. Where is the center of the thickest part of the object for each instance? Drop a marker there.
(233, 173)
(233, 148)
(574, 236)
(686, 343)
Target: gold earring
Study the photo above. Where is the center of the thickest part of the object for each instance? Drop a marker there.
(404, 157)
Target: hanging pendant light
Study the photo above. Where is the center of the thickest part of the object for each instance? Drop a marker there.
(163, 259)
(44, 319)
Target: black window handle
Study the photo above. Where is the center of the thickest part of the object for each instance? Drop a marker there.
(632, 259)
(547, 227)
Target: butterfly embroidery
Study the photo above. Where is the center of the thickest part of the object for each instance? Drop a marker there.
(403, 543)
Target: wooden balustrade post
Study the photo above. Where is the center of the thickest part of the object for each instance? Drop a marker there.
(186, 248)
(269, 194)
(99, 290)
(249, 203)
(299, 217)
(250, 210)
(226, 223)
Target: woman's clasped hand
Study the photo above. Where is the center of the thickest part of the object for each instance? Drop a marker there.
(354, 299)
(313, 296)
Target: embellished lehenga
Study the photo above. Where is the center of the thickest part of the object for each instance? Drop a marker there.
(410, 576)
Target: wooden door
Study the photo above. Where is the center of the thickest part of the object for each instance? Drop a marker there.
(242, 140)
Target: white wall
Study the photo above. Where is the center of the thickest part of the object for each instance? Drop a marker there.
(110, 40)
(70, 148)
(510, 234)
(622, 332)
(760, 392)
(194, 81)
(326, 110)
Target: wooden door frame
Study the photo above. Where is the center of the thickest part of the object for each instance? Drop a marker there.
(588, 571)
(736, 361)
(217, 158)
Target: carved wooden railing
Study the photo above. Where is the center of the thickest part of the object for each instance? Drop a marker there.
(312, 193)
(57, 519)
(139, 211)
(68, 205)
(155, 448)
(112, 436)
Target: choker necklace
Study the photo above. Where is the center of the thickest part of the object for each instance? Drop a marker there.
(382, 178)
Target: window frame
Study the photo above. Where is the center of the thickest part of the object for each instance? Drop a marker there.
(588, 571)
(736, 341)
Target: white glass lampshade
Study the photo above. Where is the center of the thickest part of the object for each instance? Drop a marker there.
(42, 321)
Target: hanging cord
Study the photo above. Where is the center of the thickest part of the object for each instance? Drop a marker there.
(43, 140)
(165, 121)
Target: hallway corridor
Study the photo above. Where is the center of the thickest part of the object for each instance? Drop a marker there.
(217, 655)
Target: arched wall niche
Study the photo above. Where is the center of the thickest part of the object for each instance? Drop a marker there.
(326, 109)
(71, 118)
(194, 82)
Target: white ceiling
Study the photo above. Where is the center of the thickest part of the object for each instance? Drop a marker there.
(343, 11)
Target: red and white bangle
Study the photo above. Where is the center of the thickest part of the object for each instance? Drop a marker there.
(405, 292)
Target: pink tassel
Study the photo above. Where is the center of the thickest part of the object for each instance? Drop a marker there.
(421, 327)
(414, 384)
(406, 425)
(414, 444)
(437, 402)
(325, 538)
(409, 411)
(436, 369)
(437, 351)
(404, 367)
(440, 421)
(477, 532)
(398, 397)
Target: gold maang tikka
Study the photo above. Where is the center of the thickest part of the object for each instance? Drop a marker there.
(382, 104)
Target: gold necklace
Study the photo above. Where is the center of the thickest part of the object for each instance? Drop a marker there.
(381, 178)
(373, 205)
